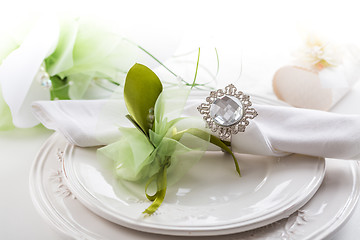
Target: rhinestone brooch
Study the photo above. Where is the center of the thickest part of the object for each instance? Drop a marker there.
(227, 111)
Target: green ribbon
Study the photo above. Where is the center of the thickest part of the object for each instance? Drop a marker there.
(214, 140)
(161, 185)
(157, 149)
(161, 175)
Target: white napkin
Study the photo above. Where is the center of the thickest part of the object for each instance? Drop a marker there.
(276, 131)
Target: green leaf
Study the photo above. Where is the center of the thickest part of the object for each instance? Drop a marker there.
(134, 123)
(59, 89)
(141, 90)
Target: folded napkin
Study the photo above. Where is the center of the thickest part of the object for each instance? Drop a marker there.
(276, 131)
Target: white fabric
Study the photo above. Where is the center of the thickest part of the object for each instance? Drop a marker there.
(19, 70)
(276, 131)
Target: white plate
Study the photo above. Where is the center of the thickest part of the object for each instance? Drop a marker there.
(211, 199)
(330, 207)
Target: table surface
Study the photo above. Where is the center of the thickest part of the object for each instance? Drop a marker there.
(19, 219)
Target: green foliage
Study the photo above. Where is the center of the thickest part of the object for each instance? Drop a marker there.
(141, 90)
(59, 89)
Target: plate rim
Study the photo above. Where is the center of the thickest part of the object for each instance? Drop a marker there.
(48, 211)
(96, 206)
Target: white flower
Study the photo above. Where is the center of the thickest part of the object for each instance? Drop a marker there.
(20, 69)
(318, 53)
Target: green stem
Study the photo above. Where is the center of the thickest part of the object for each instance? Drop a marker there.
(218, 62)
(152, 56)
(113, 82)
(161, 63)
(213, 139)
(224, 145)
(196, 70)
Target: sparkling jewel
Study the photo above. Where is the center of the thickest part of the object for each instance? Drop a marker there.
(226, 111)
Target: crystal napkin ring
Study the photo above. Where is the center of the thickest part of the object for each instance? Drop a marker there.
(227, 111)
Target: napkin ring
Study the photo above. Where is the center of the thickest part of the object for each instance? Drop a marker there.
(227, 112)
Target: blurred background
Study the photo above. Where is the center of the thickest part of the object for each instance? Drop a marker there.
(253, 38)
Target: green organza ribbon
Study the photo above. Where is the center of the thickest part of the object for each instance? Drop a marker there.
(88, 56)
(86, 51)
(163, 146)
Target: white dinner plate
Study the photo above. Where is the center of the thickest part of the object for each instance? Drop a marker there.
(328, 210)
(210, 200)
